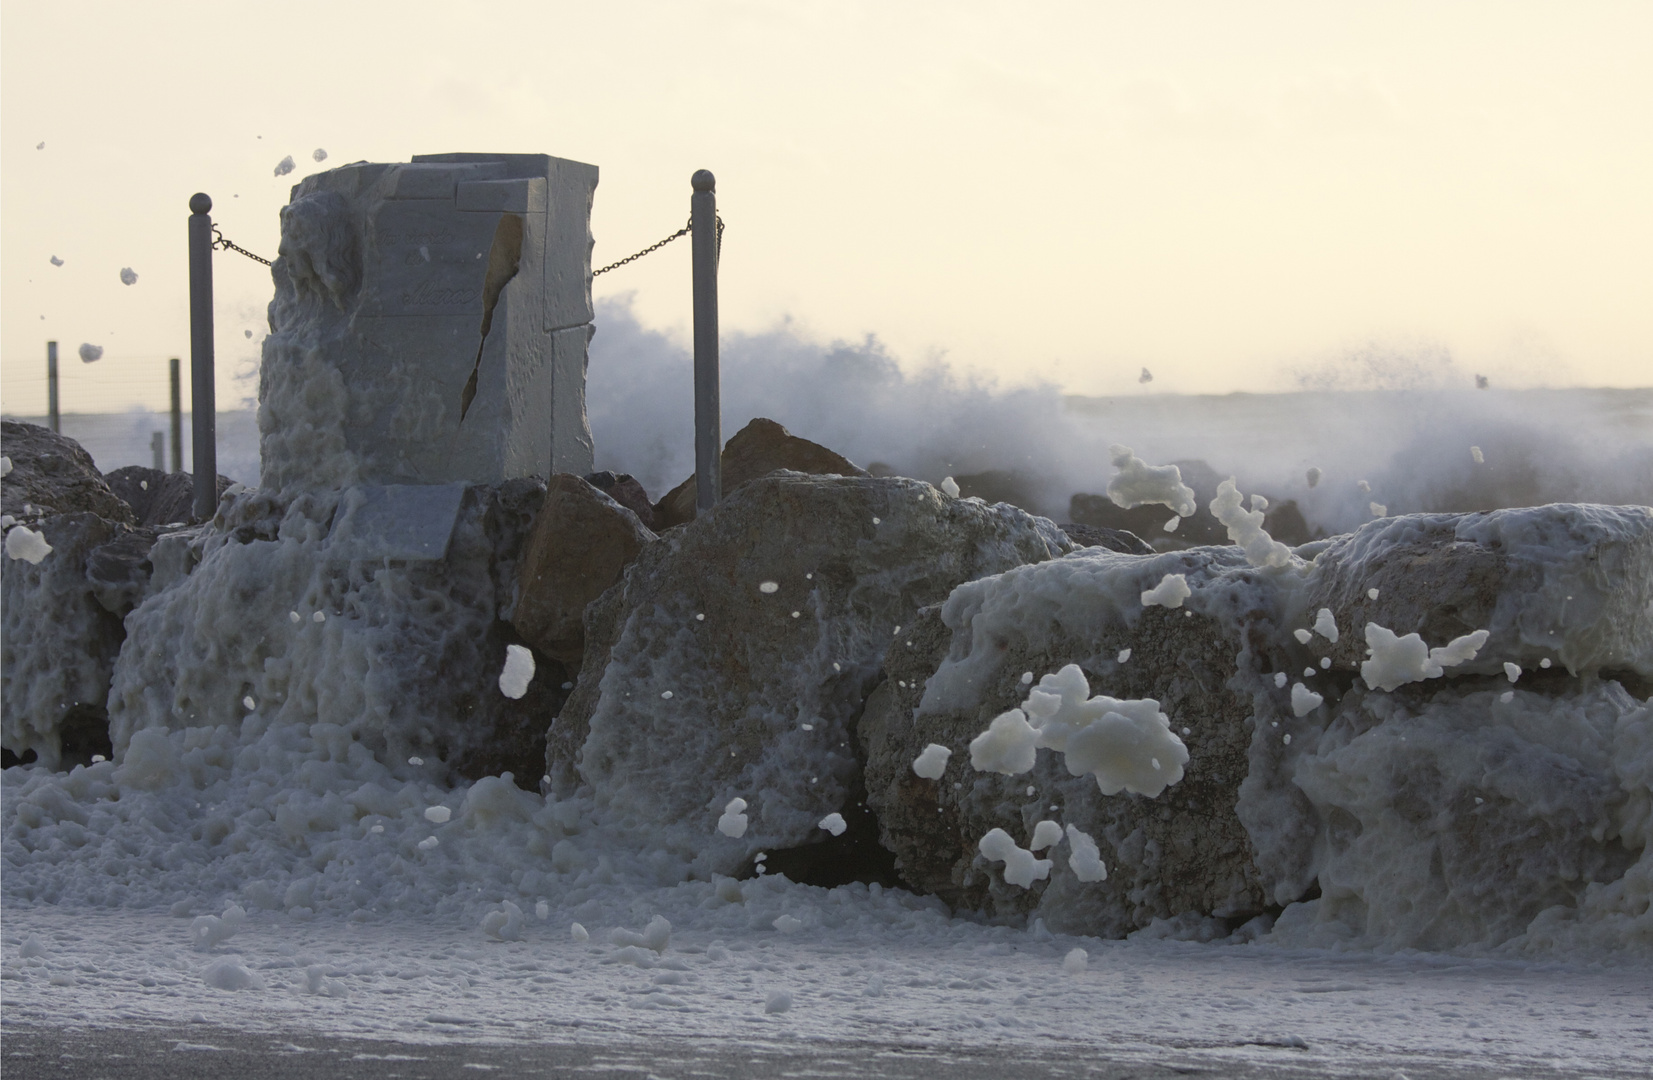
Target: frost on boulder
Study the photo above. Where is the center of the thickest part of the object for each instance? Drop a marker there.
(763, 702)
(381, 670)
(1184, 850)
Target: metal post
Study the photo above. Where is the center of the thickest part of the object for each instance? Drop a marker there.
(177, 419)
(203, 406)
(708, 419)
(51, 386)
(157, 449)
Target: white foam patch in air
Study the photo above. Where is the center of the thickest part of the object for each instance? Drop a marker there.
(518, 671)
(1137, 483)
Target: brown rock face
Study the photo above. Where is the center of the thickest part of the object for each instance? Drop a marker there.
(53, 475)
(581, 542)
(757, 449)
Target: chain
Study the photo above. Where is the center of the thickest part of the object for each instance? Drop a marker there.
(219, 240)
(684, 231)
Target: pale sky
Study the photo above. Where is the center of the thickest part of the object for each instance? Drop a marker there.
(1229, 194)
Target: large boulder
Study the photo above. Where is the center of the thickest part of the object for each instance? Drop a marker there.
(734, 655)
(1570, 584)
(63, 617)
(1187, 849)
(581, 542)
(60, 642)
(51, 474)
(258, 622)
(1454, 810)
(159, 498)
(758, 449)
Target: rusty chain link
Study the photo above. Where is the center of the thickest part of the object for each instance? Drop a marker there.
(684, 231)
(219, 240)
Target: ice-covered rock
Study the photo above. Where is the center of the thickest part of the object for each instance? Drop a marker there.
(1565, 581)
(1466, 820)
(763, 703)
(758, 449)
(404, 663)
(581, 542)
(1126, 543)
(1185, 850)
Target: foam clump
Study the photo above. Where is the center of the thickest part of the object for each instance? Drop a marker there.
(1075, 961)
(207, 932)
(505, 924)
(518, 671)
(1304, 700)
(1245, 528)
(950, 487)
(226, 974)
(1137, 483)
(1045, 834)
(1020, 866)
(1008, 746)
(24, 543)
(655, 936)
(932, 762)
(834, 823)
(1085, 858)
(732, 823)
(1325, 624)
(1171, 591)
(1127, 744)
(1396, 661)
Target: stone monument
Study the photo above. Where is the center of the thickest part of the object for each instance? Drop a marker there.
(430, 325)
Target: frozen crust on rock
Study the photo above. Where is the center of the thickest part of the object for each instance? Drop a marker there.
(1184, 850)
(1568, 582)
(762, 702)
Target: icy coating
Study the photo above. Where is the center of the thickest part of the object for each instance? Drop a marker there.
(1441, 815)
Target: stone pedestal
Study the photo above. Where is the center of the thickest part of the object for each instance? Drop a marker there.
(394, 283)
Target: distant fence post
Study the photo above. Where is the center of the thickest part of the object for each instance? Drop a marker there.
(177, 419)
(51, 386)
(708, 420)
(203, 406)
(157, 448)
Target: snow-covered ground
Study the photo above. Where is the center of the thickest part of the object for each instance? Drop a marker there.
(862, 967)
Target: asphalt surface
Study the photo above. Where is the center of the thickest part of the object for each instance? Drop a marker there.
(186, 1052)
